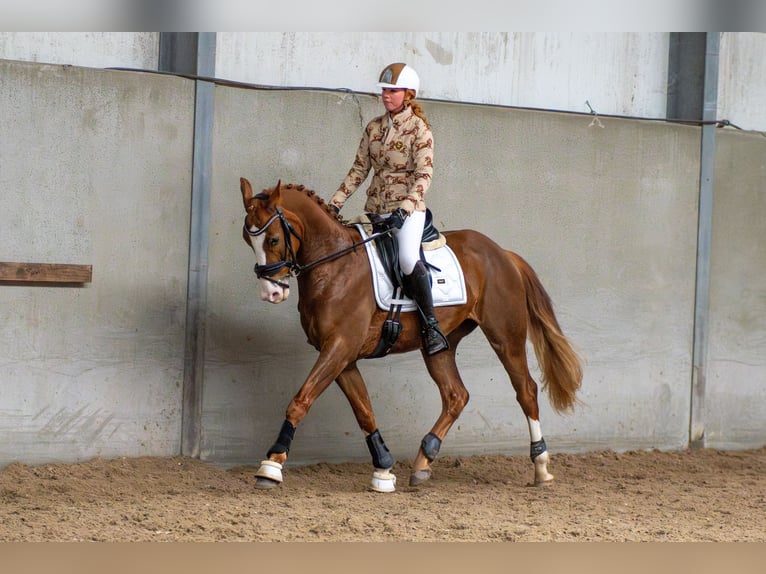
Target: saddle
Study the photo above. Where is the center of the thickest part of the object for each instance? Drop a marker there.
(388, 248)
(448, 284)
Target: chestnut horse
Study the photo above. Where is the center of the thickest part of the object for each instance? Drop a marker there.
(293, 232)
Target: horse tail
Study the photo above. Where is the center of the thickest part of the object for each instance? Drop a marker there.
(560, 364)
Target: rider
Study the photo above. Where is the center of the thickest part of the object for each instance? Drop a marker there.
(398, 146)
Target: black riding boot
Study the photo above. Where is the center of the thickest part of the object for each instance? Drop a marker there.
(420, 290)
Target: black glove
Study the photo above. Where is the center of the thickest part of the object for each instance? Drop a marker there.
(396, 219)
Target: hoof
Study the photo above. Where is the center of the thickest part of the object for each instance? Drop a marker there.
(419, 477)
(542, 476)
(265, 483)
(383, 481)
(269, 475)
(543, 482)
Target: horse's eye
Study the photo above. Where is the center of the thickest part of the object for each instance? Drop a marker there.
(273, 241)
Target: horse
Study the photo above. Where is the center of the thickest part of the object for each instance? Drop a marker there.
(294, 233)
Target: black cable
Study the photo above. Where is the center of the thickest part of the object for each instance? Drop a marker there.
(249, 86)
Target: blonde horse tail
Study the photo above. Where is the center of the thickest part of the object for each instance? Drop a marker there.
(561, 366)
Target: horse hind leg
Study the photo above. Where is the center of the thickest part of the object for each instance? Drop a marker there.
(443, 371)
(538, 452)
(526, 395)
(513, 356)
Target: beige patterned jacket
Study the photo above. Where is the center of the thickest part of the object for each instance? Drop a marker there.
(401, 152)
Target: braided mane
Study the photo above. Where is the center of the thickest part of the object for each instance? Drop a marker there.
(316, 197)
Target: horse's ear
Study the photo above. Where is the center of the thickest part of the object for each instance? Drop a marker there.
(247, 190)
(276, 194)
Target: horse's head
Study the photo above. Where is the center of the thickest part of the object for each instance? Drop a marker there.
(271, 232)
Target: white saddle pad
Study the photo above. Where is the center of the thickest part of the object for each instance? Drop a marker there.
(448, 282)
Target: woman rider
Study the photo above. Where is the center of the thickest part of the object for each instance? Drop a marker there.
(398, 146)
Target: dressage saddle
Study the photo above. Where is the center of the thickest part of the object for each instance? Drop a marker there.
(388, 251)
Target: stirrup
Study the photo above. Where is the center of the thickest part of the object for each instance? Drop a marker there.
(434, 340)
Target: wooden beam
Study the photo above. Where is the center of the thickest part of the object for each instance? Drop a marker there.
(46, 272)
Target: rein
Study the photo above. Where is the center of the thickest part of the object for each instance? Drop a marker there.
(344, 251)
(266, 271)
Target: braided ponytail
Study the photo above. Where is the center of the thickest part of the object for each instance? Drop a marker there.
(409, 99)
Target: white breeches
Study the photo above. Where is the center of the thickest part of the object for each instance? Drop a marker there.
(409, 238)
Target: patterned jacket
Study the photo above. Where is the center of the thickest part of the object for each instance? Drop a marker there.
(400, 150)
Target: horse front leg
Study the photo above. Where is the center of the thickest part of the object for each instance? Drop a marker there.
(327, 367)
(454, 395)
(352, 384)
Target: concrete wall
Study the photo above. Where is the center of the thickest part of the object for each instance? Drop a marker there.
(735, 402)
(94, 169)
(742, 79)
(617, 73)
(91, 49)
(99, 171)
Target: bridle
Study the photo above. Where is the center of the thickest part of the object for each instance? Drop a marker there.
(289, 258)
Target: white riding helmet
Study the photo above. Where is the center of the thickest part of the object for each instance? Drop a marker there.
(399, 75)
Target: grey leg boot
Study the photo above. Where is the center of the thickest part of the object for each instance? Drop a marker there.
(419, 288)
